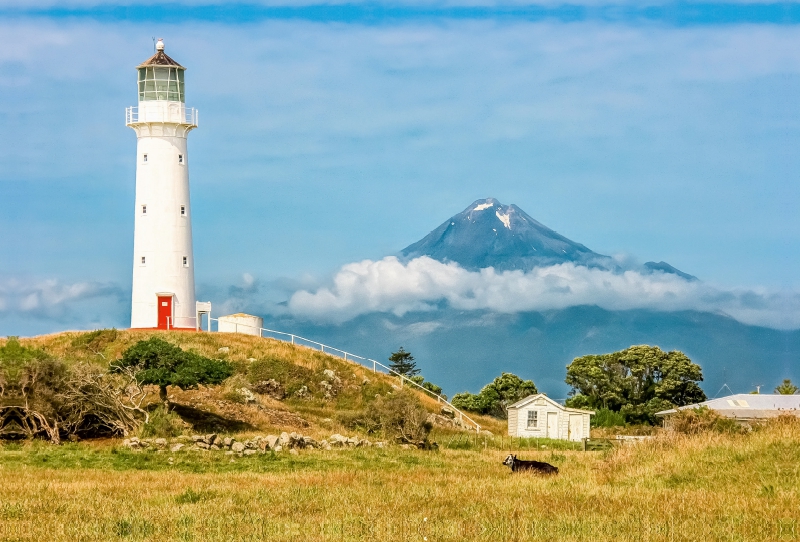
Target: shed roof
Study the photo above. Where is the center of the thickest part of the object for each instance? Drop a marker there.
(529, 399)
(746, 405)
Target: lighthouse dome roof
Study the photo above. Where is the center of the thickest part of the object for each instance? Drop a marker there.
(160, 59)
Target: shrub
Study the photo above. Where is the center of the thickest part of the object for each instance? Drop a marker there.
(43, 396)
(95, 341)
(433, 388)
(162, 423)
(604, 417)
(430, 386)
(399, 416)
(237, 390)
(291, 377)
(692, 421)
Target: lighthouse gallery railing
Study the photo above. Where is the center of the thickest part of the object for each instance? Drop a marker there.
(178, 115)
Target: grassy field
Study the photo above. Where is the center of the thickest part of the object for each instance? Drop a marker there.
(706, 487)
(702, 487)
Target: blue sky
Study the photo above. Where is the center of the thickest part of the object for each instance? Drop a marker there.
(330, 133)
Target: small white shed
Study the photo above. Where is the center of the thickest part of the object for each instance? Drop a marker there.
(240, 323)
(539, 416)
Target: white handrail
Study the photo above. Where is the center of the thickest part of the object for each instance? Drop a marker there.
(181, 115)
(293, 338)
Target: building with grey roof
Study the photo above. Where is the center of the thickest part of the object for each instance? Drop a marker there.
(745, 407)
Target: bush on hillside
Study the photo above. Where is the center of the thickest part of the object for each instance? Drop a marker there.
(429, 386)
(96, 341)
(399, 416)
(155, 361)
(41, 396)
(163, 423)
(289, 376)
(237, 389)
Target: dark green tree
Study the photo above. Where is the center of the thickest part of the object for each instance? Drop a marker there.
(637, 382)
(403, 363)
(163, 364)
(786, 388)
(495, 397)
(430, 386)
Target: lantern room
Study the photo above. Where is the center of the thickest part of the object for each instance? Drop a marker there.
(161, 78)
(161, 83)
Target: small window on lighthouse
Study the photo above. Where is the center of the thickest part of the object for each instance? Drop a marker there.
(144, 158)
(185, 261)
(142, 260)
(144, 209)
(180, 158)
(183, 210)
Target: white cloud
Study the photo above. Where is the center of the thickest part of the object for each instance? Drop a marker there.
(389, 285)
(53, 299)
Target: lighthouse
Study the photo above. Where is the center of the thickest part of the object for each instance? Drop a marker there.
(163, 264)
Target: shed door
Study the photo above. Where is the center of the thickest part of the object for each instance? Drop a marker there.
(575, 427)
(165, 312)
(552, 425)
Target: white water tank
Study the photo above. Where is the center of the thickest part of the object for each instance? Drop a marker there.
(241, 323)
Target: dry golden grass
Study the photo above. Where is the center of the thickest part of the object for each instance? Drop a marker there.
(704, 487)
(701, 487)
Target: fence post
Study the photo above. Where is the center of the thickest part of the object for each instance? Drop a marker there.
(322, 347)
(292, 336)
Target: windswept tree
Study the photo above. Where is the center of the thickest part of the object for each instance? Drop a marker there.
(637, 382)
(495, 397)
(41, 396)
(402, 362)
(786, 388)
(158, 362)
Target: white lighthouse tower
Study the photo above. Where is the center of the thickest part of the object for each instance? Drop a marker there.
(163, 264)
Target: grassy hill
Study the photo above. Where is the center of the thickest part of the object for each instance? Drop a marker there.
(708, 486)
(301, 396)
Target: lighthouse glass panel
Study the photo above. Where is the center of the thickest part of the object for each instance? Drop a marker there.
(156, 83)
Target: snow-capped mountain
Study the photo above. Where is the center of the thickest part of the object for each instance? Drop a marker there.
(490, 234)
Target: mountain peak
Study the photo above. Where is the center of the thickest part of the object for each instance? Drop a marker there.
(490, 234)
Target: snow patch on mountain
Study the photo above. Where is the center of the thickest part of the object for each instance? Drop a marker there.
(504, 219)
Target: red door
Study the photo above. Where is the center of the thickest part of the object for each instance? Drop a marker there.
(165, 312)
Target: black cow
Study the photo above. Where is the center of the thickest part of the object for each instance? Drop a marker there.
(535, 466)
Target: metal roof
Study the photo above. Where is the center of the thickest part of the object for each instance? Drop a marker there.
(746, 405)
(522, 402)
(160, 59)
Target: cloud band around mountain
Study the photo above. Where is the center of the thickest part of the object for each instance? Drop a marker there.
(423, 284)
